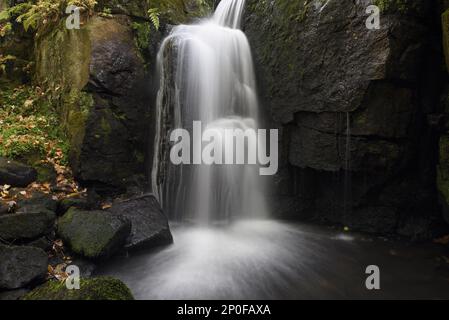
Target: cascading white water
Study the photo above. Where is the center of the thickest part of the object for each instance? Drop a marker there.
(207, 74)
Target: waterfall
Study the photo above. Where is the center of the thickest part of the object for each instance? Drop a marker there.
(207, 74)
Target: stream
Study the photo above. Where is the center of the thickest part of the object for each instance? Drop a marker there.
(270, 260)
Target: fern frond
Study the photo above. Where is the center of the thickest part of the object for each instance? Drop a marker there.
(154, 17)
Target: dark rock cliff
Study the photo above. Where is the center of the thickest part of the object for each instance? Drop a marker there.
(353, 107)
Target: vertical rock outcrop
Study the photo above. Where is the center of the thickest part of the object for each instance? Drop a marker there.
(102, 76)
(104, 92)
(352, 105)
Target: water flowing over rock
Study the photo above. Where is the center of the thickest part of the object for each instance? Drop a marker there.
(207, 75)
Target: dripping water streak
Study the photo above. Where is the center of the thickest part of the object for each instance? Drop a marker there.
(347, 182)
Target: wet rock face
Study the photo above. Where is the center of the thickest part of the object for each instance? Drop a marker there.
(350, 99)
(325, 56)
(149, 224)
(130, 7)
(115, 137)
(21, 265)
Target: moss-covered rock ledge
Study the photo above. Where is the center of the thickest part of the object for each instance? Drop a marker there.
(104, 288)
(97, 79)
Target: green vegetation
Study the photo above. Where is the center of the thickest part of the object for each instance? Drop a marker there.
(44, 69)
(29, 126)
(153, 14)
(177, 12)
(104, 288)
(41, 16)
(8, 17)
(142, 35)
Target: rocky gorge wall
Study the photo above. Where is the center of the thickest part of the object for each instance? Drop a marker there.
(105, 93)
(360, 111)
(355, 109)
(103, 75)
(86, 93)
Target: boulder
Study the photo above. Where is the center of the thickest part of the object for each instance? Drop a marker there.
(26, 226)
(37, 200)
(21, 266)
(79, 203)
(344, 100)
(93, 234)
(149, 224)
(42, 243)
(103, 288)
(15, 173)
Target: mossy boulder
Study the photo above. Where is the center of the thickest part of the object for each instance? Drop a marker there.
(27, 226)
(93, 234)
(102, 288)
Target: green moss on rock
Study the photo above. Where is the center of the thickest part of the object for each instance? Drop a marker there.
(26, 226)
(103, 288)
(93, 234)
(181, 11)
(399, 6)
